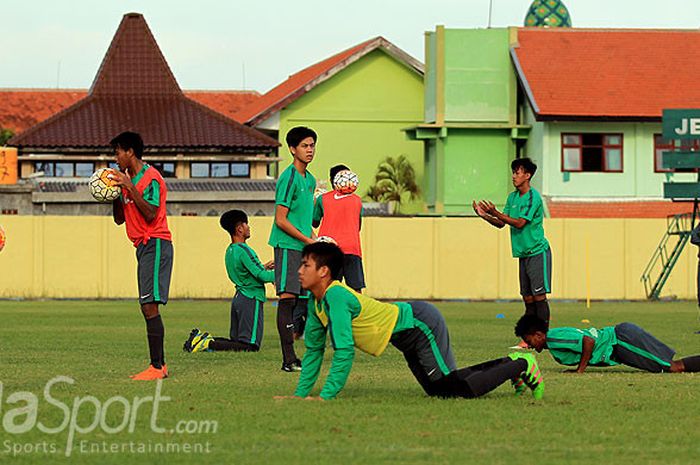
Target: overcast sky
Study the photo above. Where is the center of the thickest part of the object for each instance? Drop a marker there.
(255, 44)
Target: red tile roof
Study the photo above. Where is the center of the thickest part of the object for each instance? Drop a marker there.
(21, 109)
(135, 90)
(604, 209)
(303, 81)
(627, 74)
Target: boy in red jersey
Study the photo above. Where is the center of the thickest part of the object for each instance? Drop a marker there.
(142, 207)
(340, 217)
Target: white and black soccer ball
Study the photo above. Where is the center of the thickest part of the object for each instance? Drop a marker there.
(327, 239)
(345, 182)
(102, 186)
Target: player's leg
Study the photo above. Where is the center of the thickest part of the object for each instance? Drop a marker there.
(525, 286)
(287, 264)
(301, 309)
(539, 271)
(477, 380)
(637, 348)
(352, 270)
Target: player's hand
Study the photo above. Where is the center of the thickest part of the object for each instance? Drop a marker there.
(121, 179)
(270, 265)
(488, 207)
(286, 397)
(315, 398)
(477, 209)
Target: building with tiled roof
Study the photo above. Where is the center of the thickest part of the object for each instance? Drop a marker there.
(358, 101)
(584, 104)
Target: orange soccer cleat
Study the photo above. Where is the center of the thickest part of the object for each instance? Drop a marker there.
(151, 373)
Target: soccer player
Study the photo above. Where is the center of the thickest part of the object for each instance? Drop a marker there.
(524, 213)
(249, 276)
(340, 217)
(142, 207)
(415, 328)
(625, 343)
(291, 231)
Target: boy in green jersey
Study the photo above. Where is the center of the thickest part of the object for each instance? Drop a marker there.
(417, 329)
(625, 343)
(249, 275)
(291, 231)
(524, 213)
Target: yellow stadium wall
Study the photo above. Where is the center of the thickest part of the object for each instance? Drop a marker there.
(416, 258)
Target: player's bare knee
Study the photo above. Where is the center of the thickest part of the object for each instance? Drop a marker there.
(539, 298)
(528, 299)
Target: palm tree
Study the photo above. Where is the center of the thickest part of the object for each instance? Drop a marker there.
(395, 179)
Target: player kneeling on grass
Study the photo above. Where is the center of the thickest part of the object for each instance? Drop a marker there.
(625, 343)
(249, 275)
(415, 328)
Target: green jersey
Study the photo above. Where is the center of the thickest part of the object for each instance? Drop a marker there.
(353, 321)
(566, 345)
(528, 240)
(247, 272)
(295, 192)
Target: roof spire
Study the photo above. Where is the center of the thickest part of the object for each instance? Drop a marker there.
(548, 13)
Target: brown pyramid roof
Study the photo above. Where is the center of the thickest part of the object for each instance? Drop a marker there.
(135, 90)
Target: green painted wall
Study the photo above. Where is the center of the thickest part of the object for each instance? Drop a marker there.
(359, 115)
(430, 99)
(477, 75)
(638, 179)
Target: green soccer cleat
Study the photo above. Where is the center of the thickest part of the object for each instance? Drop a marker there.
(532, 376)
(188, 345)
(518, 385)
(201, 342)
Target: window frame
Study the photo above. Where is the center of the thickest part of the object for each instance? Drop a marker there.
(672, 145)
(73, 163)
(230, 170)
(580, 146)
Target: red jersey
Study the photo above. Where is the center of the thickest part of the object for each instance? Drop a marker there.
(340, 215)
(152, 187)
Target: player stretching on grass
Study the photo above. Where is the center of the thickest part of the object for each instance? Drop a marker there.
(625, 344)
(291, 230)
(142, 208)
(415, 328)
(249, 275)
(340, 217)
(524, 213)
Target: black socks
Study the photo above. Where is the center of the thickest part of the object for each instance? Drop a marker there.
(222, 343)
(299, 315)
(156, 334)
(285, 328)
(542, 310)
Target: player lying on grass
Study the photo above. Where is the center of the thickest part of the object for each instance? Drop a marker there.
(249, 275)
(415, 328)
(625, 344)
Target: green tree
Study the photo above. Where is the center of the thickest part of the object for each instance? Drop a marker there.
(395, 181)
(5, 135)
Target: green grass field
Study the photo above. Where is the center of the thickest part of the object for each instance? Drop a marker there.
(605, 416)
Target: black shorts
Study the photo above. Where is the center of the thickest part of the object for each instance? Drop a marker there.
(155, 265)
(639, 349)
(352, 272)
(246, 320)
(536, 273)
(426, 347)
(287, 263)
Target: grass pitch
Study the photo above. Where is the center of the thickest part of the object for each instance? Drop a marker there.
(221, 407)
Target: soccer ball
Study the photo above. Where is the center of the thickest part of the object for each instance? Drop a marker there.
(3, 237)
(102, 186)
(327, 239)
(345, 182)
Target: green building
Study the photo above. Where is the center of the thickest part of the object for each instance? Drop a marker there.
(358, 101)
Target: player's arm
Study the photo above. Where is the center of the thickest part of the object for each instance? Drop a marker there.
(147, 210)
(315, 340)
(490, 209)
(340, 324)
(256, 269)
(586, 353)
(118, 211)
(285, 225)
(318, 212)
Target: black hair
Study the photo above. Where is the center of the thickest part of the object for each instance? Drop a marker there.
(325, 254)
(129, 140)
(231, 219)
(298, 134)
(530, 324)
(337, 169)
(526, 164)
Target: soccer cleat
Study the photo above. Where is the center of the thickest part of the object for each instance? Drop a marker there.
(201, 342)
(531, 377)
(292, 367)
(151, 373)
(188, 345)
(165, 370)
(518, 385)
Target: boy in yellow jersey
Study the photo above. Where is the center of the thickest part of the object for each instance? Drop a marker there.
(415, 328)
